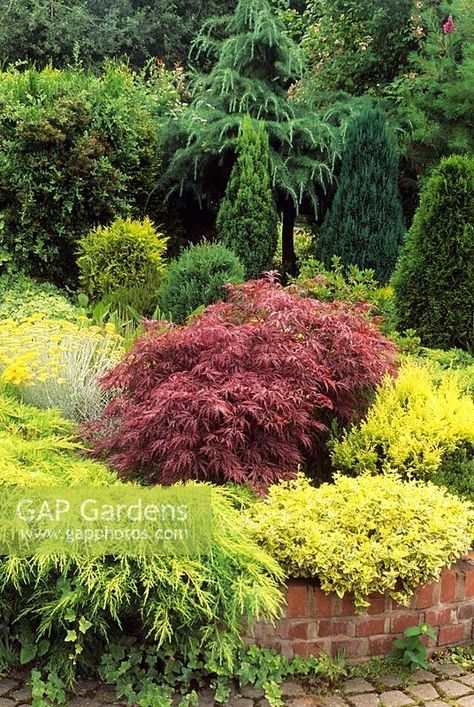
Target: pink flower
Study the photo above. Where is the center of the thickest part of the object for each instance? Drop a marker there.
(448, 26)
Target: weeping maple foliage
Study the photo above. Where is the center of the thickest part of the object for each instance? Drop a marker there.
(245, 392)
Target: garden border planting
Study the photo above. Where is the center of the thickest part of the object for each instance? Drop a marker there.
(315, 622)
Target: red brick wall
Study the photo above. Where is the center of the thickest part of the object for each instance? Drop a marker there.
(316, 622)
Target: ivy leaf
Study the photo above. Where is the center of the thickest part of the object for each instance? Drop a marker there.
(84, 624)
(70, 615)
(27, 653)
(43, 647)
(71, 636)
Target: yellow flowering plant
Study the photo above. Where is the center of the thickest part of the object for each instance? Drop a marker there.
(56, 363)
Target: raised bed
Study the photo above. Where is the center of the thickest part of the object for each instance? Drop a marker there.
(315, 621)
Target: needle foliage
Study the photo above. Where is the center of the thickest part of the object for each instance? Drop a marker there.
(364, 226)
(247, 220)
(256, 65)
(64, 610)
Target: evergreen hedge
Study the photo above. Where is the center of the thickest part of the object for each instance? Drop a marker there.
(78, 149)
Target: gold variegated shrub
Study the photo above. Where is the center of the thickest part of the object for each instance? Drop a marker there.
(363, 535)
(126, 254)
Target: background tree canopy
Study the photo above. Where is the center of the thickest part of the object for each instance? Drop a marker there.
(361, 46)
(44, 30)
(302, 67)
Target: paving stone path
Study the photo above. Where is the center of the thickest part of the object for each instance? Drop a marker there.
(442, 686)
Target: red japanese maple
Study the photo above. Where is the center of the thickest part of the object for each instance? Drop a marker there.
(245, 392)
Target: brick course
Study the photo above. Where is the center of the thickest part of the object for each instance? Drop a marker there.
(315, 621)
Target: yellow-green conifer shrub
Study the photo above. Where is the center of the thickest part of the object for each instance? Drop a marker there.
(183, 605)
(40, 448)
(415, 422)
(363, 535)
(127, 254)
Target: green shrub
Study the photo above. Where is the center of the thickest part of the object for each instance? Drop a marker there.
(457, 473)
(409, 343)
(247, 220)
(357, 47)
(126, 254)
(450, 358)
(434, 280)
(198, 278)
(364, 225)
(346, 284)
(363, 535)
(78, 149)
(74, 607)
(21, 297)
(415, 422)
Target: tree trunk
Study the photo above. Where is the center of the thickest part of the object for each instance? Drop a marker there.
(288, 246)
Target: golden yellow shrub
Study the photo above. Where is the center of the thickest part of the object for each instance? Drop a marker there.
(363, 535)
(415, 421)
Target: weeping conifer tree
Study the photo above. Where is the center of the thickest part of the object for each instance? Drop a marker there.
(255, 65)
(364, 225)
(247, 219)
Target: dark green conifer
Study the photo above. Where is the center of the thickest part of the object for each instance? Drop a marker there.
(434, 279)
(436, 97)
(247, 220)
(364, 225)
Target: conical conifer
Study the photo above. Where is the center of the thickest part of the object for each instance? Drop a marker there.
(364, 225)
(247, 219)
(434, 279)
